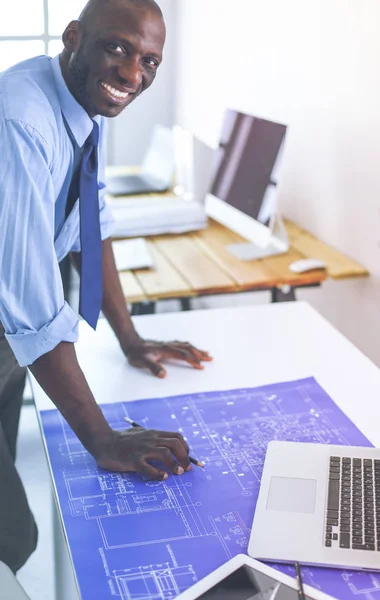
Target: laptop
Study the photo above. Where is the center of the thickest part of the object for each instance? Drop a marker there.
(319, 505)
(157, 171)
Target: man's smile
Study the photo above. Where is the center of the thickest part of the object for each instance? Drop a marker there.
(115, 94)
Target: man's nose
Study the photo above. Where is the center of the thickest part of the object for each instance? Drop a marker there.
(130, 72)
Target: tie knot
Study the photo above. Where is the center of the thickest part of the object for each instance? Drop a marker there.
(93, 138)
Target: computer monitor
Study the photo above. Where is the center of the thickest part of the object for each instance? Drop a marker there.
(243, 190)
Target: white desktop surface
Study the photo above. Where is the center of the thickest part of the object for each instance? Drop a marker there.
(251, 346)
(10, 588)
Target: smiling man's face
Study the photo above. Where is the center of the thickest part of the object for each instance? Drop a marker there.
(112, 57)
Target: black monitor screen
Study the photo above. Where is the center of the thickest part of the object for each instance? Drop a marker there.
(248, 584)
(246, 161)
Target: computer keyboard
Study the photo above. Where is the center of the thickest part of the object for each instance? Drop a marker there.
(353, 504)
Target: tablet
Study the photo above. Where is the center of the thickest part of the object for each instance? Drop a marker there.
(243, 578)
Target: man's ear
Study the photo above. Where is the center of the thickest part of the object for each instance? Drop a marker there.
(71, 36)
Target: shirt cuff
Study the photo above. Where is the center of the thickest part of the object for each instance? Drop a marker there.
(28, 344)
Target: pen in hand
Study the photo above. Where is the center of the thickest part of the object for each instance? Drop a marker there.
(192, 460)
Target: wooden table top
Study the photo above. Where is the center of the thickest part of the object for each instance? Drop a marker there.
(198, 263)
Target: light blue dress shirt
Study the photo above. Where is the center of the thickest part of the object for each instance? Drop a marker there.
(42, 128)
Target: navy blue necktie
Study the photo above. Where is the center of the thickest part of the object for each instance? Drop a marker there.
(91, 280)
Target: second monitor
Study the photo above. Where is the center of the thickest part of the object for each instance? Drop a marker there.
(243, 191)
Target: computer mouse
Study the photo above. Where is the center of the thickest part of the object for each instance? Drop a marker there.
(307, 264)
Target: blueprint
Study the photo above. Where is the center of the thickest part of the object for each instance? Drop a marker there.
(135, 539)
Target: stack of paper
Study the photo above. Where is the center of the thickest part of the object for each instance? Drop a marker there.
(154, 214)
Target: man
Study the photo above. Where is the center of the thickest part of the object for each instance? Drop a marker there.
(51, 128)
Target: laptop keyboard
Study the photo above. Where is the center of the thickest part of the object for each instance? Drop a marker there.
(353, 504)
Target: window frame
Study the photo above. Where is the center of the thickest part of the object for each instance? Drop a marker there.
(44, 37)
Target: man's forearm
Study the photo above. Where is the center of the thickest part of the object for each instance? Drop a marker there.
(59, 374)
(114, 305)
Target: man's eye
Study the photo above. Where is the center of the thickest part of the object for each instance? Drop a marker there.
(115, 48)
(152, 63)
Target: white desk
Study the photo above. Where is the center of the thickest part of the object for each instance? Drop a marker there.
(251, 347)
(10, 589)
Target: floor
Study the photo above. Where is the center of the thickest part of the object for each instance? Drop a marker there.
(37, 577)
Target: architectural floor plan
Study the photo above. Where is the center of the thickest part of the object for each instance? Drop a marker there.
(142, 540)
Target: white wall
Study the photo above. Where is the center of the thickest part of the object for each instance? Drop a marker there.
(315, 65)
(129, 133)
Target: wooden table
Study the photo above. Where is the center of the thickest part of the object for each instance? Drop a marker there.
(198, 264)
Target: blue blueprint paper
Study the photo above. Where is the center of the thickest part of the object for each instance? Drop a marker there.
(140, 540)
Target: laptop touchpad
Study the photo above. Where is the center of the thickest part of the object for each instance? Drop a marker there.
(292, 495)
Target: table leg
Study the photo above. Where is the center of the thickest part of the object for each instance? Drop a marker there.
(283, 294)
(135, 308)
(143, 308)
(65, 586)
(185, 304)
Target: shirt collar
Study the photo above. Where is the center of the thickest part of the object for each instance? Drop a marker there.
(76, 117)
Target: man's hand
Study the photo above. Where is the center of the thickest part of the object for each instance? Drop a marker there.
(144, 354)
(147, 354)
(132, 449)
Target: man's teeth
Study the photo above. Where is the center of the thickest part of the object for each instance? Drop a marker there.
(115, 92)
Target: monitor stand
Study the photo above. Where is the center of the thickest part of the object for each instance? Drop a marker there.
(277, 243)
